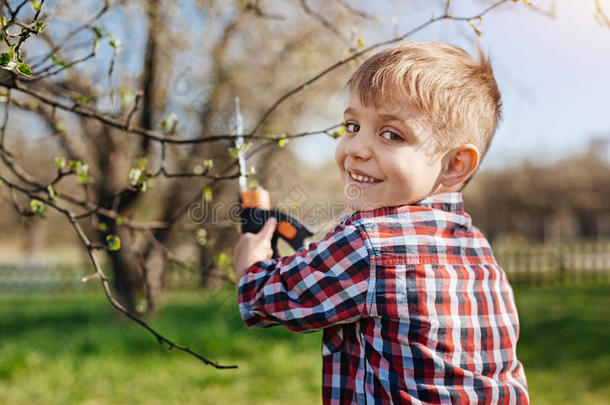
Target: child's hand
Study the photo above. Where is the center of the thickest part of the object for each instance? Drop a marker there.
(253, 247)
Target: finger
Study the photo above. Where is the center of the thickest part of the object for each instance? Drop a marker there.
(267, 231)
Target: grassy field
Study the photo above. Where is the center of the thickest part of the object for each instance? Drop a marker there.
(73, 350)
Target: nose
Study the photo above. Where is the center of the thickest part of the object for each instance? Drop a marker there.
(358, 146)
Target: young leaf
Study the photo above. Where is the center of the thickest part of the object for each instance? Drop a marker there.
(40, 26)
(58, 61)
(115, 43)
(142, 163)
(24, 69)
(98, 32)
(60, 126)
(60, 161)
(113, 242)
(169, 123)
(135, 176)
(202, 236)
(82, 172)
(36, 5)
(53, 194)
(234, 152)
(5, 58)
(80, 99)
(338, 133)
(207, 194)
(38, 208)
(221, 259)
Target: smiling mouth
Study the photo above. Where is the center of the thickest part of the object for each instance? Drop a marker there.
(363, 179)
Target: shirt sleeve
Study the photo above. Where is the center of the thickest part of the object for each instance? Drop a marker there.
(315, 288)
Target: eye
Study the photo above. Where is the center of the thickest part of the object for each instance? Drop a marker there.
(391, 136)
(351, 127)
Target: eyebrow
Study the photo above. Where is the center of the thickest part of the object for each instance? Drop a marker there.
(387, 117)
(349, 110)
(390, 117)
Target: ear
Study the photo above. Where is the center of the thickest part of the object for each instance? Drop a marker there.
(458, 164)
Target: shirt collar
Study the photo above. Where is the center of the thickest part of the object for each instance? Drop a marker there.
(448, 202)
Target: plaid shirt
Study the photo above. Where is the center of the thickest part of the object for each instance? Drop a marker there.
(413, 304)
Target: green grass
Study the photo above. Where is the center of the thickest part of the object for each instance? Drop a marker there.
(74, 350)
(564, 343)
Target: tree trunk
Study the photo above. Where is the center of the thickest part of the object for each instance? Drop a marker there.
(154, 268)
(128, 279)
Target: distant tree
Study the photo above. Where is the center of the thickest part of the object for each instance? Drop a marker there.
(566, 199)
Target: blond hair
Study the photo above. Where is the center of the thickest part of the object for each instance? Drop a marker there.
(458, 96)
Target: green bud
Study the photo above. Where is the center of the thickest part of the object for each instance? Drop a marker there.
(36, 5)
(113, 242)
(221, 259)
(202, 236)
(60, 161)
(24, 69)
(53, 194)
(207, 194)
(38, 208)
(80, 99)
(58, 61)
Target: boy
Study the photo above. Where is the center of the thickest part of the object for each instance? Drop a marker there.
(413, 306)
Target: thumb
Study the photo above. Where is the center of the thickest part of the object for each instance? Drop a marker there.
(267, 230)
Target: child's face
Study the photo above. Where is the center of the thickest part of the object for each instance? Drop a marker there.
(394, 147)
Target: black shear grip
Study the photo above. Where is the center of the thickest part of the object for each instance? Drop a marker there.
(293, 231)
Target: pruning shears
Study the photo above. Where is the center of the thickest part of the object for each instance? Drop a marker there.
(256, 203)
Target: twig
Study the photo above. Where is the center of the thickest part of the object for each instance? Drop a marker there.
(345, 60)
(601, 14)
(327, 24)
(104, 280)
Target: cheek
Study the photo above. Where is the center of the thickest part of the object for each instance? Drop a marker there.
(424, 170)
(406, 169)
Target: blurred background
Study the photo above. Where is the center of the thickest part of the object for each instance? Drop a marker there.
(173, 68)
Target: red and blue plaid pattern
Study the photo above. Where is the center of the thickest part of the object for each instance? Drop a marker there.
(414, 307)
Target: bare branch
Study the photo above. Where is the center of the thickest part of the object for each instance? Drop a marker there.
(72, 33)
(601, 15)
(319, 17)
(104, 279)
(345, 60)
(111, 204)
(353, 10)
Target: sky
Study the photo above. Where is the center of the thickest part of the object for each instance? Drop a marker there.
(553, 75)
